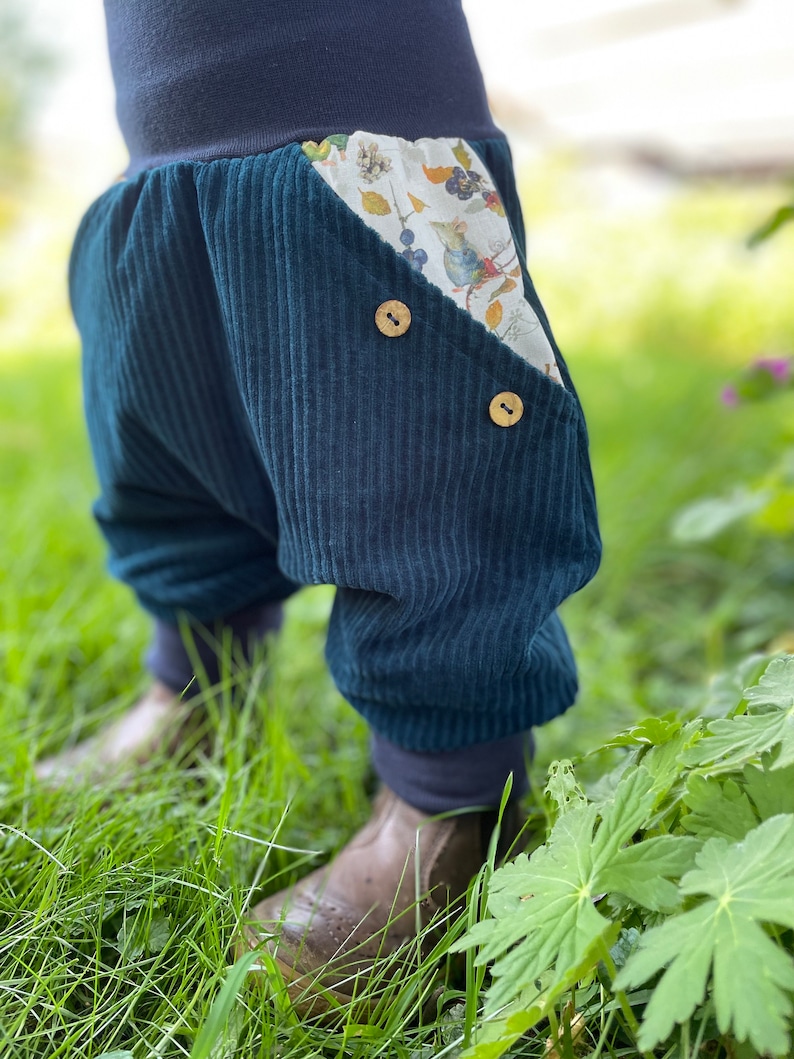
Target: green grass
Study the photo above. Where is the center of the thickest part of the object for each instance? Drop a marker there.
(178, 857)
(118, 906)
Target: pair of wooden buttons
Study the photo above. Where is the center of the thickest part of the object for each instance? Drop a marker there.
(393, 318)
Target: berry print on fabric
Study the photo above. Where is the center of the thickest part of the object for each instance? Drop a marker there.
(435, 203)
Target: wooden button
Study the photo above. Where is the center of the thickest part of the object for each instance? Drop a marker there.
(392, 318)
(506, 409)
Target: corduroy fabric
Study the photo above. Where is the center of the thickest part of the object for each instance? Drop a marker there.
(253, 431)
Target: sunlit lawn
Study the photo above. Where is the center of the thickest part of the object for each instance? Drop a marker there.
(117, 907)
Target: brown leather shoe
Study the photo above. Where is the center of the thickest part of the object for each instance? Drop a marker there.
(326, 934)
(154, 724)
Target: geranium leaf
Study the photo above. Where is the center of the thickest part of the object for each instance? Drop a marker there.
(752, 875)
(747, 883)
(663, 761)
(542, 906)
(776, 686)
(726, 690)
(159, 933)
(622, 816)
(684, 943)
(563, 787)
(772, 792)
(533, 1003)
(753, 1004)
(643, 872)
(704, 519)
(652, 731)
(730, 744)
(717, 809)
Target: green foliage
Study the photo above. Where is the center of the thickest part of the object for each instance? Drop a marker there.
(748, 883)
(706, 518)
(767, 502)
(212, 1030)
(85, 961)
(692, 852)
(767, 724)
(781, 217)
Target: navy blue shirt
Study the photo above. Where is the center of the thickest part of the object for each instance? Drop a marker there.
(203, 79)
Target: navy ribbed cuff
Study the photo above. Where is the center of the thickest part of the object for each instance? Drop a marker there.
(444, 780)
(229, 640)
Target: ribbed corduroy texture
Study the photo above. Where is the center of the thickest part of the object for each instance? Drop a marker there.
(254, 430)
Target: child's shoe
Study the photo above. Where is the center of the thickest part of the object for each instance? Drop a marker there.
(401, 870)
(153, 725)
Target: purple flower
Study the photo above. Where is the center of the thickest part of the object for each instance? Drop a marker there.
(778, 367)
(730, 397)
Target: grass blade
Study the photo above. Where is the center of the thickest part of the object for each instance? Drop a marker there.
(210, 1033)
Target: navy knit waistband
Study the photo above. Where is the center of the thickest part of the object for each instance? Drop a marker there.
(203, 79)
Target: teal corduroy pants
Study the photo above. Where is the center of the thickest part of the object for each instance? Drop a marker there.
(254, 430)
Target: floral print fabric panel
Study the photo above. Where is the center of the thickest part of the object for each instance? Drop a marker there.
(434, 201)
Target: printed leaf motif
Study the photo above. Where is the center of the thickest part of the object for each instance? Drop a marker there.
(748, 883)
(316, 152)
(439, 174)
(515, 271)
(544, 915)
(504, 288)
(476, 206)
(493, 315)
(374, 203)
(462, 155)
(417, 204)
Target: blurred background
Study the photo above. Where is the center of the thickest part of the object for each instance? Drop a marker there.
(613, 107)
(652, 138)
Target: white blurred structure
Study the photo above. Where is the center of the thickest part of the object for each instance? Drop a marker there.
(694, 85)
